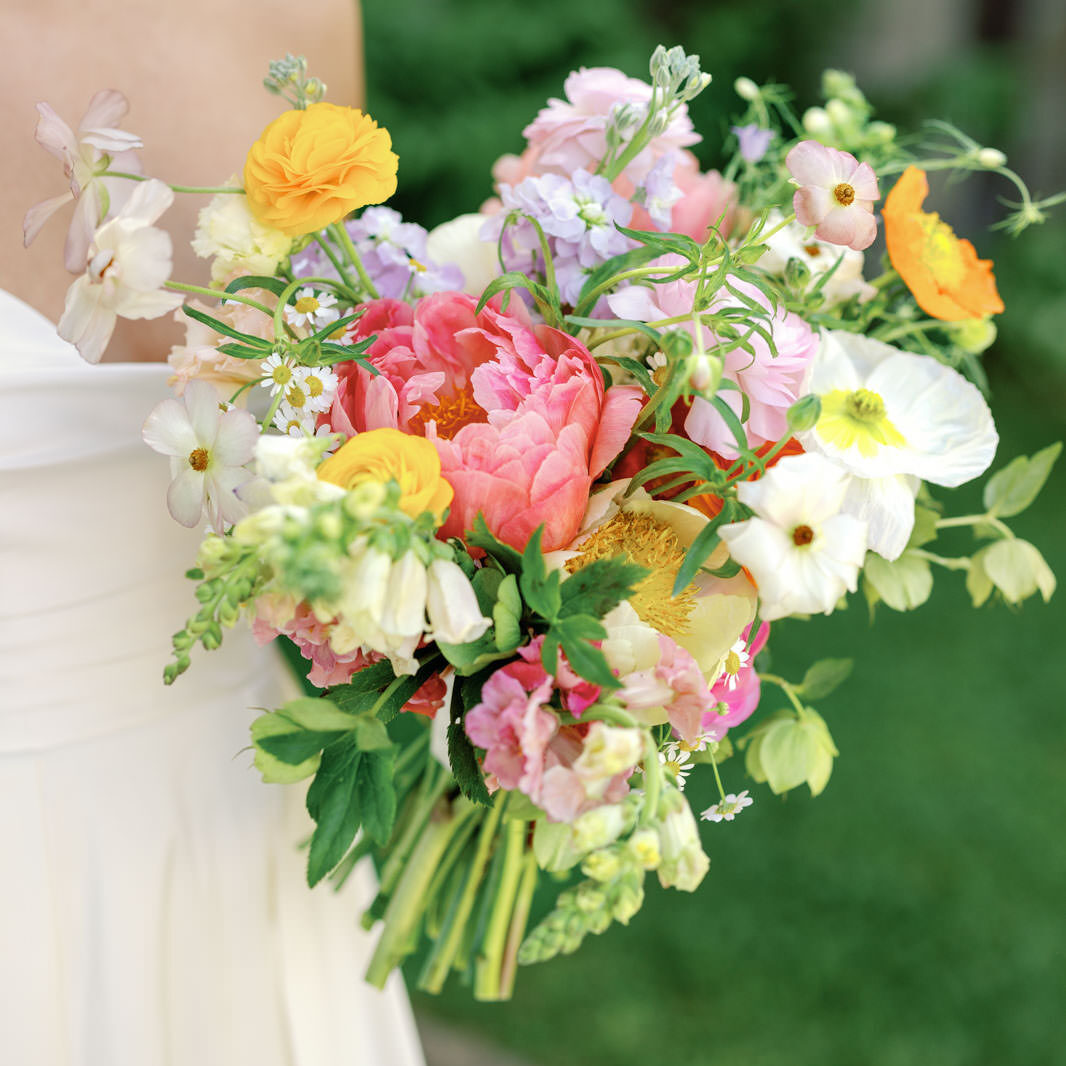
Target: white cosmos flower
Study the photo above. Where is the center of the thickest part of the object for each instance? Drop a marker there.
(129, 261)
(892, 418)
(208, 451)
(801, 550)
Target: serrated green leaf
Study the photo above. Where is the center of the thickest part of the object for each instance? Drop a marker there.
(465, 767)
(599, 587)
(363, 688)
(574, 634)
(823, 677)
(332, 803)
(1013, 489)
(540, 586)
(376, 793)
(481, 537)
(904, 583)
(371, 735)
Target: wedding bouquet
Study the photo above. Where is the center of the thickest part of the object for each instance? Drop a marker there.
(528, 491)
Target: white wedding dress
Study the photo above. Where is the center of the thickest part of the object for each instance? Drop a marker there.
(153, 910)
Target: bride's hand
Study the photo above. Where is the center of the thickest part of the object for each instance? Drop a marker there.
(194, 81)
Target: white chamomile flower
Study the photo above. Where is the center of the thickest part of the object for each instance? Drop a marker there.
(208, 450)
(277, 373)
(675, 761)
(736, 658)
(801, 550)
(728, 808)
(295, 422)
(890, 419)
(318, 383)
(312, 309)
(656, 361)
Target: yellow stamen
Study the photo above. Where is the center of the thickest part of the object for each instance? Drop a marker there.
(454, 411)
(857, 419)
(844, 194)
(296, 396)
(732, 662)
(198, 459)
(652, 544)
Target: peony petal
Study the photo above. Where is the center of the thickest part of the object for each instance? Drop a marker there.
(621, 406)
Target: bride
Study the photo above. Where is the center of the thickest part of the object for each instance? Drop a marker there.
(154, 908)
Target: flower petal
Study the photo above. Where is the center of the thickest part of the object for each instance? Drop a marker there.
(185, 497)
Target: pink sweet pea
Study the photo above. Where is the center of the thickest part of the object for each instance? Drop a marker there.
(519, 415)
(836, 194)
(98, 145)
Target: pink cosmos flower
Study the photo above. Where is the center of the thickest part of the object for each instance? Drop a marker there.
(770, 382)
(737, 690)
(836, 194)
(97, 145)
(519, 415)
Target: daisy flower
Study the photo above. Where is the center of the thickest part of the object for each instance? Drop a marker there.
(318, 383)
(736, 658)
(312, 309)
(675, 761)
(728, 808)
(278, 373)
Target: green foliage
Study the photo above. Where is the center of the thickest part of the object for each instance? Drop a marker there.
(903, 584)
(1012, 489)
(823, 678)
(1014, 567)
(788, 751)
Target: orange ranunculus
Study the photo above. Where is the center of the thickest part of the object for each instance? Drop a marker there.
(943, 272)
(310, 168)
(388, 455)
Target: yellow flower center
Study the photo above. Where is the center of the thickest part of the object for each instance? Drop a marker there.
(296, 397)
(198, 459)
(844, 194)
(813, 250)
(454, 411)
(940, 250)
(418, 267)
(732, 662)
(672, 766)
(857, 419)
(281, 375)
(307, 305)
(652, 544)
(314, 386)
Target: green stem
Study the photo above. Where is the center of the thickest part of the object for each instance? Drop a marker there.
(634, 272)
(487, 979)
(717, 777)
(977, 520)
(335, 260)
(519, 920)
(437, 967)
(205, 189)
(941, 560)
(408, 903)
(216, 294)
(787, 688)
(433, 786)
(344, 239)
(907, 330)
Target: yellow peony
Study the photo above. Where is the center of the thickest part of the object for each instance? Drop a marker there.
(310, 168)
(383, 455)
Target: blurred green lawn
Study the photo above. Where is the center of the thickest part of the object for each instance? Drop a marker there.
(912, 915)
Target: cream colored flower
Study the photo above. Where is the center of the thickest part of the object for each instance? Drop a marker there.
(237, 241)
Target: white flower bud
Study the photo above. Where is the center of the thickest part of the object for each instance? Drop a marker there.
(454, 614)
(684, 863)
(816, 122)
(404, 611)
(599, 827)
(746, 89)
(603, 865)
(991, 158)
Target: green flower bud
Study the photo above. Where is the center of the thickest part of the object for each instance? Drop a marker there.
(677, 344)
(627, 898)
(643, 847)
(746, 89)
(602, 865)
(804, 413)
(974, 335)
(590, 897)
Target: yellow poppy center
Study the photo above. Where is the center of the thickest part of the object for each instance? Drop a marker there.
(857, 419)
(844, 194)
(940, 250)
(198, 459)
(654, 545)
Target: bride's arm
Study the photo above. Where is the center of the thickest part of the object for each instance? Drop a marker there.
(193, 76)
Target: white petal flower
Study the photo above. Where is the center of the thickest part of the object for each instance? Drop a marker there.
(454, 614)
(728, 808)
(129, 262)
(312, 309)
(277, 373)
(318, 384)
(239, 243)
(891, 417)
(208, 451)
(801, 550)
(675, 761)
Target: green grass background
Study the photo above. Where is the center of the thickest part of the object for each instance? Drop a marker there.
(913, 914)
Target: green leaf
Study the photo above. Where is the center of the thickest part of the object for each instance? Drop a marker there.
(925, 519)
(1012, 489)
(224, 329)
(333, 804)
(300, 729)
(257, 281)
(465, 767)
(701, 548)
(903, 584)
(376, 793)
(729, 416)
(513, 280)
(823, 677)
(675, 243)
(243, 351)
(276, 771)
(472, 657)
(575, 634)
(600, 586)
(978, 583)
(1018, 570)
(540, 587)
(481, 537)
(362, 690)
(635, 257)
(796, 752)
(371, 735)
(486, 583)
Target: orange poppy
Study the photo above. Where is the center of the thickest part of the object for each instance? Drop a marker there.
(943, 272)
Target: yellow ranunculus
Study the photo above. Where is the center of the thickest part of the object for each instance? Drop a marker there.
(310, 168)
(388, 455)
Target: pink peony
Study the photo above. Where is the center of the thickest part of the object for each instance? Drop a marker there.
(519, 415)
(836, 194)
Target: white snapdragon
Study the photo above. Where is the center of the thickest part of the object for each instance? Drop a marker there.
(452, 607)
(802, 551)
(683, 863)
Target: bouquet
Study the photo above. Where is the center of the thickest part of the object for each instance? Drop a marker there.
(529, 491)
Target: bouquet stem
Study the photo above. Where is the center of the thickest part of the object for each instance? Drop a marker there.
(487, 979)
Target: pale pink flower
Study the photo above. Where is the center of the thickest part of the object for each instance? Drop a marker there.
(836, 194)
(570, 134)
(97, 145)
(707, 200)
(208, 451)
(129, 262)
